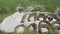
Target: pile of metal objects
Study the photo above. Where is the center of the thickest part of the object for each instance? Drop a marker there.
(33, 19)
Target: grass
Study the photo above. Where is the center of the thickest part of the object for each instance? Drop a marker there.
(8, 7)
(27, 31)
